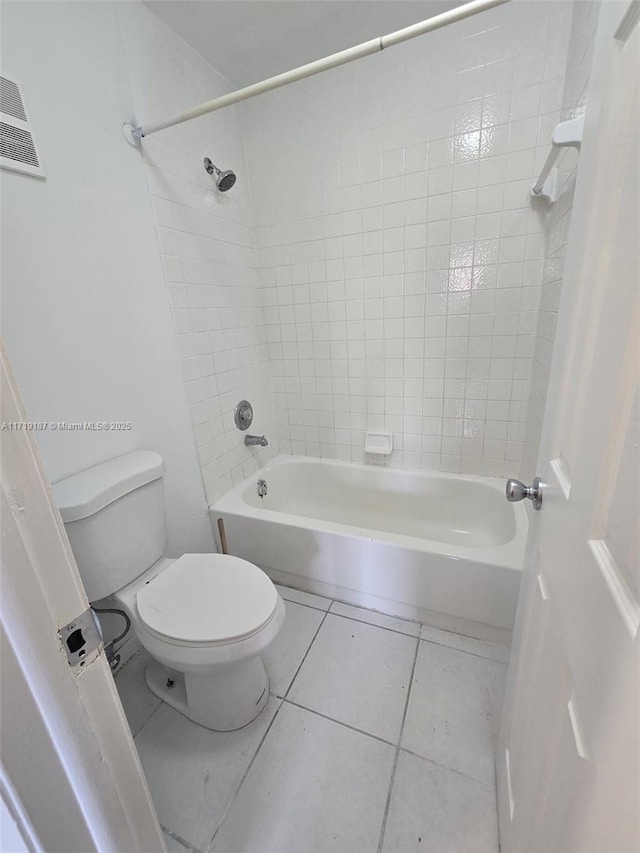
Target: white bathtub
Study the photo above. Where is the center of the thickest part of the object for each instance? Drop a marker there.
(442, 548)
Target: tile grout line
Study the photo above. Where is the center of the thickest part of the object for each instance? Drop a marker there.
(396, 630)
(373, 624)
(446, 767)
(463, 636)
(344, 603)
(124, 666)
(324, 619)
(467, 652)
(244, 776)
(179, 839)
(385, 816)
(373, 610)
(386, 742)
(263, 738)
(152, 714)
(302, 604)
(339, 723)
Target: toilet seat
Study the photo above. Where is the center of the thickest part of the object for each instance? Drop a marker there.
(207, 600)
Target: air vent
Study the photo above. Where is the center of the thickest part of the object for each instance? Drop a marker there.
(18, 150)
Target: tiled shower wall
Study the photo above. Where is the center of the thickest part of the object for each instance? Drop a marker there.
(207, 244)
(398, 276)
(556, 220)
(400, 259)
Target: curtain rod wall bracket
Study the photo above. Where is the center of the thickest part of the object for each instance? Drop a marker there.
(566, 134)
(548, 192)
(132, 134)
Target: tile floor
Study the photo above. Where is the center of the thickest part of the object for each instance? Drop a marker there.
(378, 738)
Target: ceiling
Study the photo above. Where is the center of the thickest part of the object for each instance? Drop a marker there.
(248, 40)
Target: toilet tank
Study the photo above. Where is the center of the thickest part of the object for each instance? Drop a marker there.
(114, 517)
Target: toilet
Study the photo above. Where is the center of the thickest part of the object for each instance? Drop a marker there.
(205, 619)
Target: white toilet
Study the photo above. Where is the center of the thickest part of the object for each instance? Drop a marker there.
(204, 618)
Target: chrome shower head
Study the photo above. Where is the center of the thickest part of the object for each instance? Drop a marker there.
(224, 180)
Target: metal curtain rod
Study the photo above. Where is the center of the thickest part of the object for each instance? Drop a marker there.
(133, 135)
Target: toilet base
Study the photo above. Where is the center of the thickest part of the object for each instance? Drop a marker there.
(224, 700)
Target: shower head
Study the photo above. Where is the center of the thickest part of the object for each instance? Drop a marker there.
(224, 180)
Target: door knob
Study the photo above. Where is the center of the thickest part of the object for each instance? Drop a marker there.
(517, 491)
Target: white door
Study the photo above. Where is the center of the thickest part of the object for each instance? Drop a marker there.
(70, 778)
(568, 758)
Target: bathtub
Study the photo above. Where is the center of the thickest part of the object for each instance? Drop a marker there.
(444, 549)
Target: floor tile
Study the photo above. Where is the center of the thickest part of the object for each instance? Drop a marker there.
(465, 644)
(138, 701)
(454, 710)
(357, 674)
(315, 787)
(284, 655)
(301, 597)
(404, 626)
(435, 810)
(193, 772)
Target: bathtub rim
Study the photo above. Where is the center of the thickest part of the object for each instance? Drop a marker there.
(509, 555)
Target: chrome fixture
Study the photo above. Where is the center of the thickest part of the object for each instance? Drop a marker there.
(243, 415)
(224, 180)
(251, 440)
(517, 491)
(262, 488)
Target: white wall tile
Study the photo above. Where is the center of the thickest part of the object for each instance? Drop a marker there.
(428, 201)
(397, 275)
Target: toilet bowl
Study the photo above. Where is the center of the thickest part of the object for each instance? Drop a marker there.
(206, 619)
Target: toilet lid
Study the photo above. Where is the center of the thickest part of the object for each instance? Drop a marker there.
(207, 598)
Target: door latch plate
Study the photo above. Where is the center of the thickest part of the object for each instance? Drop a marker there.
(81, 639)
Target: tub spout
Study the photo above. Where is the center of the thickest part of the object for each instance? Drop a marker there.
(260, 440)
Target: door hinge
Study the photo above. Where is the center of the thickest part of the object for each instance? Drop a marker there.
(81, 639)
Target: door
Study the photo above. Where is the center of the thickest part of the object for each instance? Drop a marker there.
(568, 758)
(70, 777)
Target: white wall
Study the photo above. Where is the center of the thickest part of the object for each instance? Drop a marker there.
(400, 258)
(85, 312)
(556, 219)
(208, 248)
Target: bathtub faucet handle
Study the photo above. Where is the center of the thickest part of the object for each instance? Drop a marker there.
(517, 491)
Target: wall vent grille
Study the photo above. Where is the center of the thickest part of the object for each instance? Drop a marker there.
(10, 99)
(18, 151)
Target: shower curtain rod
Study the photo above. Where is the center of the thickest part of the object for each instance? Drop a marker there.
(133, 134)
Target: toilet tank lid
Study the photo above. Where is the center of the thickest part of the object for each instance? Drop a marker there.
(87, 492)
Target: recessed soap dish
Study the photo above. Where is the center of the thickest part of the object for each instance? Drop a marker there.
(378, 443)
